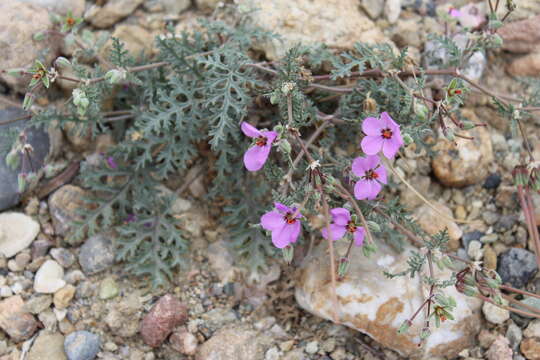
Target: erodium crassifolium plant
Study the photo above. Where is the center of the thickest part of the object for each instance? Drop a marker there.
(272, 139)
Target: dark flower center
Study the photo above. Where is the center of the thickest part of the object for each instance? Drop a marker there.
(289, 218)
(351, 227)
(371, 175)
(261, 141)
(386, 133)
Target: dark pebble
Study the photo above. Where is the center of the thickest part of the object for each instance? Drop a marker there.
(517, 266)
(492, 181)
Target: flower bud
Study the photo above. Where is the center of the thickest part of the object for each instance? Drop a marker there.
(469, 280)
(284, 146)
(470, 291)
(114, 76)
(449, 134)
(273, 99)
(495, 41)
(407, 139)
(369, 105)
(494, 24)
(404, 327)
(520, 175)
(21, 182)
(424, 334)
(28, 101)
(343, 267)
(15, 72)
(62, 62)
(534, 180)
(421, 110)
(373, 226)
(13, 159)
(288, 253)
(369, 249)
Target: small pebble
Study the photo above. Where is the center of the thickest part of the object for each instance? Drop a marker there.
(82, 345)
(5, 291)
(63, 256)
(312, 347)
(108, 289)
(492, 181)
(475, 251)
(63, 297)
(495, 314)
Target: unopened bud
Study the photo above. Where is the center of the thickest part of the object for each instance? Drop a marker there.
(449, 134)
(62, 62)
(13, 159)
(285, 146)
(492, 283)
(535, 180)
(343, 267)
(115, 76)
(520, 175)
(21, 182)
(468, 125)
(407, 139)
(421, 110)
(424, 334)
(470, 291)
(373, 226)
(28, 101)
(404, 327)
(369, 105)
(288, 253)
(15, 72)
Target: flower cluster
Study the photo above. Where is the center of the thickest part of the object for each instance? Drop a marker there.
(381, 135)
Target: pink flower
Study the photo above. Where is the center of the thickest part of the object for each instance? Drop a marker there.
(371, 174)
(454, 12)
(284, 224)
(381, 134)
(257, 155)
(112, 163)
(343, 224)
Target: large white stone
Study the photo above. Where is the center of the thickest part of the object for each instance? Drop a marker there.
(49, 278)
(370, 302)
(17, 231)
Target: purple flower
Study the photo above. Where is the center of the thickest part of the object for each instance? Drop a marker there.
(371, 174)
(343, 224)
(284, 224)
(111, 162)
(381, 134)
(257, 155)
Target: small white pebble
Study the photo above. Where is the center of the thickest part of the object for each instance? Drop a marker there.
(312, 347)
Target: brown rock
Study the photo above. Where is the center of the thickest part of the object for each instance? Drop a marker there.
(184, 342)
(288, 19)
(238, 342)
(18, 24)
(499, 349)
(63, 297)
(135, 38)
(528, 65)
(521, 36)
(166, 314)
(15, 321)
(490, 258)
(432, 223)
(64, 205)
(464, 162)
(531, 348)
(112, 12)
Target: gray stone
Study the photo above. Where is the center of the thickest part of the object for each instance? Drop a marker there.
(373, 8)
(97, 254)
(63, 256)
(517, 266)
(38, 138)
(38, 303)
(514, 335)
(170, 7)
(82, 345)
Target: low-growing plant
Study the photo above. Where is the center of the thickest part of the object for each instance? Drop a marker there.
(313, 133)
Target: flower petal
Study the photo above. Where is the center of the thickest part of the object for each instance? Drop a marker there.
(359, 167)
(250, 130)
(283, 208)
(272, 220)
(366, 189)
(388, 121)
(337, 231)
(372, 161)
(341, 216)
(270, 135)
(390, 148)
(381, 171)
(294, 231)
(372, 126)
(255, 157)
(281, 237)
(371, 145)
(359, 236)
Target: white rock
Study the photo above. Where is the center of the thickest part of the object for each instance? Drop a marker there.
(475, 251)
(392, 9)
(48, 278)
(370, 302)
(495, 314)
(5, 291)
(533, 329)
(17, 231)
